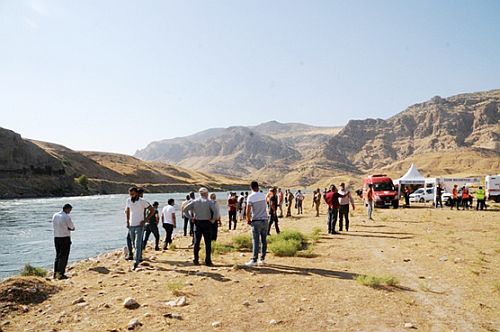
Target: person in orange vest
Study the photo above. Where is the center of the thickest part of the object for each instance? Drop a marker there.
(454, 197)
(465, 198)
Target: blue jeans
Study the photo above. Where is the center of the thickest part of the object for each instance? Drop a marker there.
(259, 234)
(332, 219)
(136, 233)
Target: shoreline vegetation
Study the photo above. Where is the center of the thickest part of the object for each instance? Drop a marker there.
(390, 274)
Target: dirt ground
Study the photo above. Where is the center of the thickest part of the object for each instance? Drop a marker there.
(447, 263)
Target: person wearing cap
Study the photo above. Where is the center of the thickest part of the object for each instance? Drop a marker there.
(203, 211)
(63, 226)
(152, 227)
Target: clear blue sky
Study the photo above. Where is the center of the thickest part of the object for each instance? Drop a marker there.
(90, 74)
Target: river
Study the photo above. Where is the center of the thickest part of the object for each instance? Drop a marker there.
(26, 234)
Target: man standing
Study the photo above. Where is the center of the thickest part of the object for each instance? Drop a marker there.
(135, 211)
(344, 201)
(187, 218)
(407, 196)
(370, 196)
(316, 201)
(439, 192)
(465, 198)
(216, 219)
(232, 208)
(480, 198)
(63, 226)
(169, 222)
(273, 211)
(332, 200)
(299, 199)
(454, 197)
(152, 227)
(281, 198)
(203, 211)
(256, 217)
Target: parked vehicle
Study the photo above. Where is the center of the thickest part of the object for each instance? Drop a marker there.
(422, 195)
(493, 188)
(384, 190)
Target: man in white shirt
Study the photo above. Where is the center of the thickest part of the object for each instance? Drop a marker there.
(63, 226)
(344, 201)
(168, 221)
(256, 216)
(136, 219)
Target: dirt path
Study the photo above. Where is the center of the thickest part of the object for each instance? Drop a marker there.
(447, 263)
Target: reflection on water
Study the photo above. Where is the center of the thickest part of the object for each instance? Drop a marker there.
(26, 234)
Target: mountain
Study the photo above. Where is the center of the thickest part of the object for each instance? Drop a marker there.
(30, 168)
(444, 134)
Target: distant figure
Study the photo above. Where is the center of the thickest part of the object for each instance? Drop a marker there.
(152, 227)
(344, 201)
(232, 204)
(290, 199)
(465, 198)
(407, 196)
(273, 211)
(216, 222)
(299, 199)
(316, 201)
(256, 217)
(135, 212)
(439, 193)
(454, 197)
(480, 198)
(63, 226)
(370, 196)
(187, 218)
(203, 211)
(169, 222)
(281, 199)
(332, 200)
(241, 205)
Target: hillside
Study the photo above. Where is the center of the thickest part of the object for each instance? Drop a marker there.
(456, 135)
(30, 168)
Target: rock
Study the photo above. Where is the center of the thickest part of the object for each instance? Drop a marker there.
(216, 324)
(130, 303)
(133, 324)
(242, 255)
(178, 302)
(406, 260)
(172, 315)
(188, 283)
(409, 326)
(78, 300)
(274, 322)
(457, 260)
(246, 303)
(25, 308)
(260, 301)
(82, 305)
(443, 258)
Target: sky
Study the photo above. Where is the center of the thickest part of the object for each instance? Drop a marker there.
(116, 75)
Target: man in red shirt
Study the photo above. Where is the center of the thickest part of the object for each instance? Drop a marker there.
(232, 205)
(332, 200)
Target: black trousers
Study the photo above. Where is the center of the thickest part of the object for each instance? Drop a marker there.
(169, 229)
(407, 200)
(151, 228)
(273, 218)
(215, 230)
(203, 228)
(332, 219)
(186, 222)
(439, 201)
(63, 245)
(480, 204)
(232, 217)
(344, 214)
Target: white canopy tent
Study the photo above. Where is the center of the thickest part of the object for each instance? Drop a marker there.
(412, 176)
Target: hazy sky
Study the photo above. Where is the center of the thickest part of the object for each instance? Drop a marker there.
(116, 75)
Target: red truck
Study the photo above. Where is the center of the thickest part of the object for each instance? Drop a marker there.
(384, 190)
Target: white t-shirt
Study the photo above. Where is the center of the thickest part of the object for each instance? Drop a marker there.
(257, 202)
(62, 224)
(167, 214)
(137, 210)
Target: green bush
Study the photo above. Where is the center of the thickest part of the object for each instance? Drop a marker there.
(376, 282)
(220, 248)
(33, 271)
(284, 248)
(315, 234)
(82, 180)
(242, 241)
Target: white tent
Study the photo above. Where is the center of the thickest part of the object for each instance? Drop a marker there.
(412, 176)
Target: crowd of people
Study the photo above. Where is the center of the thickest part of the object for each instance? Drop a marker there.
(202, 218)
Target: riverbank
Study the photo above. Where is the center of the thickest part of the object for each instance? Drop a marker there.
(447, 264)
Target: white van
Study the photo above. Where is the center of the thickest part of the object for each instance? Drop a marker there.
(492, 189)
(422, 195)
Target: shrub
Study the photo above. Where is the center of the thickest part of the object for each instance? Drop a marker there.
(308, 253)
(284, 248)
(220, 248)
(82, 180)
(242, 241)
(316, 232)
(376, 282)
(29, 270)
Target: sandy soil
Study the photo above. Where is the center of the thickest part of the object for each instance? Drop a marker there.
(447, 262)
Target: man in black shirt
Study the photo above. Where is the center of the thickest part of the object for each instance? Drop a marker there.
(273, 211)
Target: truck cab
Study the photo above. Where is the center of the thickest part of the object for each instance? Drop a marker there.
(492, 189)
(384, 191)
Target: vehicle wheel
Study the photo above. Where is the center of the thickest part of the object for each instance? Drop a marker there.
(421, 200)
(448, 202)
(395, 204)
(497, 199)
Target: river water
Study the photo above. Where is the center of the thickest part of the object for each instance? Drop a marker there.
(26, 234)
